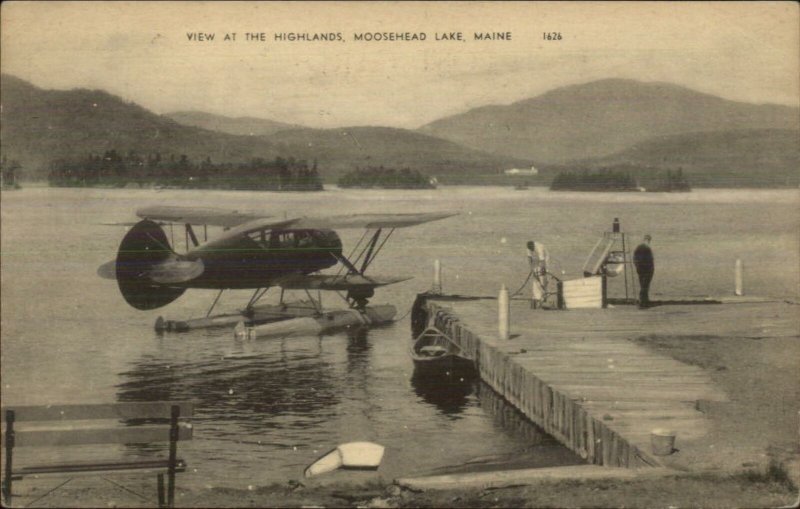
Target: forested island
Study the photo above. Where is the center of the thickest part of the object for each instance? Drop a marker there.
(387, 178)
(113, 169)
(598, 180)
(674, 183)
(10, 172)
(619, 180)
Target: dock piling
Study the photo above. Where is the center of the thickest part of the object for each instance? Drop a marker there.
(503, 313)
(739, 290)
(437, 277)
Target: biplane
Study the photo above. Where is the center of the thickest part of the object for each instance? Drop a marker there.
(254, 252)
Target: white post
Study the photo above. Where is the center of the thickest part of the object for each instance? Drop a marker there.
(739, 291)
(437, 277)
(503, 313)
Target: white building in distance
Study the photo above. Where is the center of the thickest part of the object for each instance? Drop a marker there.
(517, 171)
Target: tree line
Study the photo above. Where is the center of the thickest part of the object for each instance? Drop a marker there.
(114, 169)
(600, 180)
(386, 178)
(621, 178)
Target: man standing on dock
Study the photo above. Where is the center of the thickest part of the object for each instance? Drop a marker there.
(645, 267)
(538, 257)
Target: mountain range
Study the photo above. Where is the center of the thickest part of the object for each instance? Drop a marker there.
(38, 126)
(601, 118)
(612, 122)
(244, 126)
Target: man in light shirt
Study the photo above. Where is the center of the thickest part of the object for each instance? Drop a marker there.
(538, 258)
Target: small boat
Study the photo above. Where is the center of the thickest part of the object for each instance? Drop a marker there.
(435, 353)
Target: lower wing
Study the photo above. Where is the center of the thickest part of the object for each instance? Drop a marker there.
(331, 282)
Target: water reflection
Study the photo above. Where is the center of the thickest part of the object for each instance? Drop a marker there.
(358, 350)
(449, 394)
(250, 388)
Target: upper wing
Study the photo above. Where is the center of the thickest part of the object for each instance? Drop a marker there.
(370, 220)
(198, 215)
(333, 222)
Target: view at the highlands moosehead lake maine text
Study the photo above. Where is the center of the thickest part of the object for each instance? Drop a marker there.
(400, 254)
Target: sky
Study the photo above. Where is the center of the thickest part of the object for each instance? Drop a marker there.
(142, 52)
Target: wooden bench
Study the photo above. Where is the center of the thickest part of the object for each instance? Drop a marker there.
(137, 423)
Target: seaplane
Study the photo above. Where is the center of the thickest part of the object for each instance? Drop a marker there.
(256, 252)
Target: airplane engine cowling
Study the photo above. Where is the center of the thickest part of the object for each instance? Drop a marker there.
(144, 246)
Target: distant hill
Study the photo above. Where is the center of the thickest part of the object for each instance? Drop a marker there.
(735, 158)
(345, 148)
(38, 126)
(601, 118)
(245, 126)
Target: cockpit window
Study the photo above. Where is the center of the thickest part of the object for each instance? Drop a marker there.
(295, 239)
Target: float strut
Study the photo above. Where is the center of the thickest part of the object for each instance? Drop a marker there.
(214, 304)
(256, 297)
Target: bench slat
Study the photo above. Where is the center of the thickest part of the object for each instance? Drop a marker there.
(78, 436)
(131, 410)
(88, 467)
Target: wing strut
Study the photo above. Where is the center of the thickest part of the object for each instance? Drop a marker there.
(368, 252)
(190, 235)
(371, 256)
(351, 269)
(371, 246)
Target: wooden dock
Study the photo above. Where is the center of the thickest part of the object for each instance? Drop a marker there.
(578, 375)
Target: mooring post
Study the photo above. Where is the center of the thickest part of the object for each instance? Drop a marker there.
(604, 291)
(739, 291)
(503, 313)
(174, 436)
(437, 277)
(9, 447)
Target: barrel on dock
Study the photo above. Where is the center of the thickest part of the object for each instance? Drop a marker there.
(662, 441)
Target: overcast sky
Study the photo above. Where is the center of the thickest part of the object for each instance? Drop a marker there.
(141, 52)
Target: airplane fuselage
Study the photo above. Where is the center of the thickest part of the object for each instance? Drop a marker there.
(258, 259)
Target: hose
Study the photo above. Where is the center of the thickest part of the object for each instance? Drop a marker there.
(523, 284)
(528, 279)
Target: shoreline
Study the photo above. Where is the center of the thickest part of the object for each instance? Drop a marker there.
(718, 490)
(445, 184)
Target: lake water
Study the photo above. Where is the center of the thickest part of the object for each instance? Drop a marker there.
(68, 336)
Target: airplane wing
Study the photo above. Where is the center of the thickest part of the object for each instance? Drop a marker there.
(370, 220)
(198, 215)
(332, 222)
(255, 220)
(332, 282)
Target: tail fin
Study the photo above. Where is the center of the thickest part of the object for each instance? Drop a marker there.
(144, 246)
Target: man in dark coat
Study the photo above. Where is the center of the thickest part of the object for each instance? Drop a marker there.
(645, 266)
